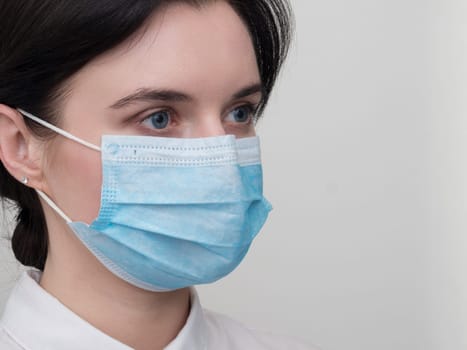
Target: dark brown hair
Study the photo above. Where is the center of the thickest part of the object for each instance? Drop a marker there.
(43, 43)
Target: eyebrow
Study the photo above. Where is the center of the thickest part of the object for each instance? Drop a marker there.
(147, 95)
(249, 90)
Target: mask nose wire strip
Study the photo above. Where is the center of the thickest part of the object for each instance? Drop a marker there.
(59, 131)
(54, 206)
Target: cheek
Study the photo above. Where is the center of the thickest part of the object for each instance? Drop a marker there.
(73, 178)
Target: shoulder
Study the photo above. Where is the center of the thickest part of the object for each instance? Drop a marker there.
(227, 333)
(7, 342)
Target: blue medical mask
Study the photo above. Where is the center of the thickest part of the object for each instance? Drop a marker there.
(174, 212)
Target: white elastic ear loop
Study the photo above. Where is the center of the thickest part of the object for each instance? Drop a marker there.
(54, 206)
(59, 131)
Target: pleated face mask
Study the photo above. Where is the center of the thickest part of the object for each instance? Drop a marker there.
(174, 212)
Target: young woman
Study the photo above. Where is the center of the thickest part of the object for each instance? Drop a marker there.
(127, 142)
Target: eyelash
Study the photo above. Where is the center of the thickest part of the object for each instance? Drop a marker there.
(251, 107)
(169, 111)
(252, 111)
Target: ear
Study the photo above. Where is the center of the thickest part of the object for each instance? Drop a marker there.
(20, 151)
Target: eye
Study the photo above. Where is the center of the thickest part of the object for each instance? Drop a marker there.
(242, 114)
(157, 120)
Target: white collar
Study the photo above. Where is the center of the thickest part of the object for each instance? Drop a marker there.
(36, 320)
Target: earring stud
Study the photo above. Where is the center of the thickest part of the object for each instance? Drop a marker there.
(25, 180)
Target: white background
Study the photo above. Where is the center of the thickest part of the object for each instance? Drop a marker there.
(365, 153)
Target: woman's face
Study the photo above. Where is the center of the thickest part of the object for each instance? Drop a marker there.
(191, 73)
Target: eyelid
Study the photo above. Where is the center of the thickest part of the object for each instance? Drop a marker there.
(144, 116)
(252, 115)
(252, 107)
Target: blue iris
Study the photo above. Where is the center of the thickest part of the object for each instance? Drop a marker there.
(241, 114)
(159, 120)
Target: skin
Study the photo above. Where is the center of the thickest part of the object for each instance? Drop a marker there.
(204, 53)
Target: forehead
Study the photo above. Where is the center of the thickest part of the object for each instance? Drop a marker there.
(202, 49)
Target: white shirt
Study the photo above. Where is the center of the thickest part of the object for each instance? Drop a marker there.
(35, 320)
